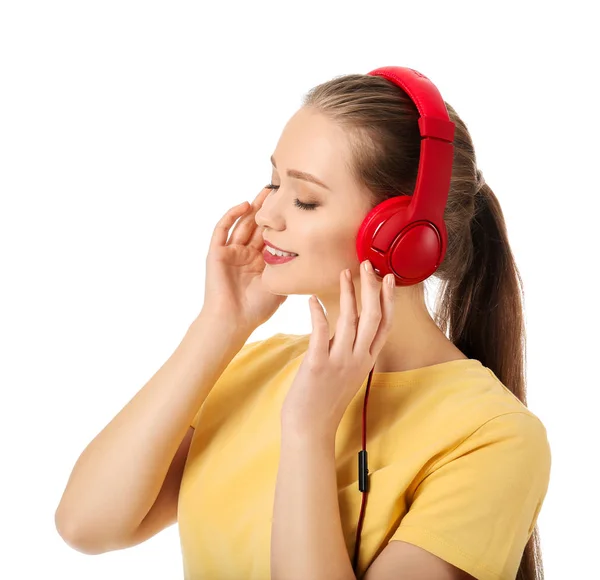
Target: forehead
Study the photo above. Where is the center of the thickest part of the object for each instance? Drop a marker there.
(313, 143)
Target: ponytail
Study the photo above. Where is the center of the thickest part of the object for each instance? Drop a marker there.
(484, 310)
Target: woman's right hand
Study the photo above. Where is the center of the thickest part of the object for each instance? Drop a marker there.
(233, 288)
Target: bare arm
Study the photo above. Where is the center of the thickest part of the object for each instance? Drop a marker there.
(118, 477)
(307, 538)
(163, 512)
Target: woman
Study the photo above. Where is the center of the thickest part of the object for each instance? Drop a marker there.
(264, 482)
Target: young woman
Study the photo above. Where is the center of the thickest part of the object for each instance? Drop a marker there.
(252, 446)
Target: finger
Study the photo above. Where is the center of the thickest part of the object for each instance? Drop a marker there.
(262, 195)
(370, 314)
(387, 308)
(257, 241)
(318, 343)
(245, 228)
(221, 231)
(347, 324)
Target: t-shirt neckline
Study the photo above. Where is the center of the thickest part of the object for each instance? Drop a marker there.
(424, 374)
(419, 375)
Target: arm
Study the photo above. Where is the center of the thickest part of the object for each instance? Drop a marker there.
(119, 475)
(306, 537)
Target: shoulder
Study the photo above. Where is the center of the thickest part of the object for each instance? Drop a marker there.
(491, 409)
(289, 345)
(272, 352)
(522, 425)
(512, 442)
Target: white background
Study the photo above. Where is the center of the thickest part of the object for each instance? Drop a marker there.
(127, 129)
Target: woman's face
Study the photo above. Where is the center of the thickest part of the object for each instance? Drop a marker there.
(324, 233)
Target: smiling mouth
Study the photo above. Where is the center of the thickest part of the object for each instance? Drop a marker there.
(273, 259)
(287, 254)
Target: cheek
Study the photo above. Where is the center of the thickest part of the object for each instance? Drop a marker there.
(337, 250)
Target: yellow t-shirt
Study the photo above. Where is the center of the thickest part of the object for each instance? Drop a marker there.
(457, 465)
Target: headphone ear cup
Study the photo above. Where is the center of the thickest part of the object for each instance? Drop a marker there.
(416, 254)
(412, 251)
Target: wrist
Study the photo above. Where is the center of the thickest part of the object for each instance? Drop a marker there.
(222, 327)
(302, 434)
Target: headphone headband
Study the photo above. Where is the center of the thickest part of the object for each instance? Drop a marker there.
(407, 235)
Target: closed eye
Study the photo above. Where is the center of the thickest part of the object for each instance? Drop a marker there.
(297, 202)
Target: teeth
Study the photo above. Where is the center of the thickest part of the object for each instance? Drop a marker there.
(278, 253)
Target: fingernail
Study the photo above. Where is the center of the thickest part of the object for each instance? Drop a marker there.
(368, 266)
(390, 280)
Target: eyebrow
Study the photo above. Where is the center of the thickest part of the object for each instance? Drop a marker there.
(301, 175)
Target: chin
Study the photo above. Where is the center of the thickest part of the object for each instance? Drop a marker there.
(274, 283)
(281, 285)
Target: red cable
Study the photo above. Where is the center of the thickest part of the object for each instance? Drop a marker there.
(360, 475)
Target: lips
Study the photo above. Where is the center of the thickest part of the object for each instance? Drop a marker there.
(273, 260)
(267, 243)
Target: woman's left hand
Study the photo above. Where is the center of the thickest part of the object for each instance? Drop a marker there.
(333, 371)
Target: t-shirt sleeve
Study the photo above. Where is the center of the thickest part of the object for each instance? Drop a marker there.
(238, 359)
(478, 505)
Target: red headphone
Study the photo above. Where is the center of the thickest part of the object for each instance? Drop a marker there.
(406, 235)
